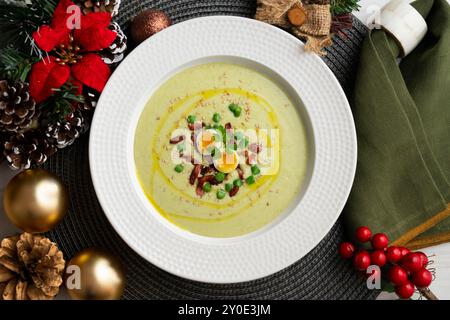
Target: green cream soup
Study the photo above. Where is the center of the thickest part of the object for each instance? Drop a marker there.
(198, 162)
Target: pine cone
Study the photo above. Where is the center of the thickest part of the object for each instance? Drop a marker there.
(91, 97)
(17, 107)
(31, 267)
(64, 133)
(88, 6)
(23, 150)
(116, 51)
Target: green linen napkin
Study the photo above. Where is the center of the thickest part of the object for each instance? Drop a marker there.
(402, 116)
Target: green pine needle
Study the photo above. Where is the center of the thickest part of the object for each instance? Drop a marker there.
(343, 6)
(61, 103)
(19, 19)
(15, 65)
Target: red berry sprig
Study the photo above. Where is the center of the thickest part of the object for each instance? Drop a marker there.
(406, 270)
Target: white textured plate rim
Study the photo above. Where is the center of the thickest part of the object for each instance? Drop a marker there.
(274, 250)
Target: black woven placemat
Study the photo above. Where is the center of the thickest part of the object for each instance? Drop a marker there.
(321, 274)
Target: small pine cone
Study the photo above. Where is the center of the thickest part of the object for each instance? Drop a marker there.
(88, 6)
(31, 267)
(17, 107)
(116, 51)
(91, 97)
(64, 133)
(23, 150)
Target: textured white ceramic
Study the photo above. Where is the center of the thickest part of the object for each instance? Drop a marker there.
(332, 140)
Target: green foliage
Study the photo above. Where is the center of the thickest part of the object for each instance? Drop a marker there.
(61, 103)
(343, 6)
(19, 19)
(15, 65)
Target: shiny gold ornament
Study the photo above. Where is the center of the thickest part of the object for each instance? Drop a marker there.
(147, 23)
(101, 276)
(35, 200)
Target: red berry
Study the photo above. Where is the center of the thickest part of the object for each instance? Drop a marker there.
(422, 278)
(363, 234)
(411, 262)
(380, 241)
(378, 257)
(398, 275)
(346, 250)
(405, 251)
(394, 254)
(361, 260)
(424, 258)
(405, 291)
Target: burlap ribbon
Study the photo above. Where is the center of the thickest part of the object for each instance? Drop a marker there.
(316, 28)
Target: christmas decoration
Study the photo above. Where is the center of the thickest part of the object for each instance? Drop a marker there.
(312, 20)
(405, 290)
(394, 254)
(65, 132)
(52, 74)
(94, 285)
(405, 270)
(17, 108)
(343, 6)
(361, 260)
(116, 51)
(25, 149)
(35, 200)
(147, 23)
(31, 268)
(379, 241)
(422, 278)
(378, 258)
(411, 262)
(363, 234)
(346, 249)
(88, 6)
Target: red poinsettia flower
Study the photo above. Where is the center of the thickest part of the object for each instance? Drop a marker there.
(72, 52)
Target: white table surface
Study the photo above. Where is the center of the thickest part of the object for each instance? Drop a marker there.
(441, 253)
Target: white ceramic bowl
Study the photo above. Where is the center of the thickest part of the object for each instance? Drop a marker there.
(324, 109)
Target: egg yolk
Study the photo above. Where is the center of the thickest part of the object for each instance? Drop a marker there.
(227, 163)
(204, 140)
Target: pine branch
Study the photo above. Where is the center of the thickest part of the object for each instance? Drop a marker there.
(15, 65)
(62, 102)
(19, 19)
(339, 7)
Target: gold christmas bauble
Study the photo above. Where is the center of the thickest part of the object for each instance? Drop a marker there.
(101, 276)
(147, 23)
(35, 200)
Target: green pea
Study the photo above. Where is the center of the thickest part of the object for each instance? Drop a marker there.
(181, 147)
(207, 187)
(238, 183)
(191, 118)
(232, 107)
(221, 194)
(255, 170)
(179, 168)
(216, 117)
(228, 187)
(219, 176)
(250, 180)
(237, 112)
